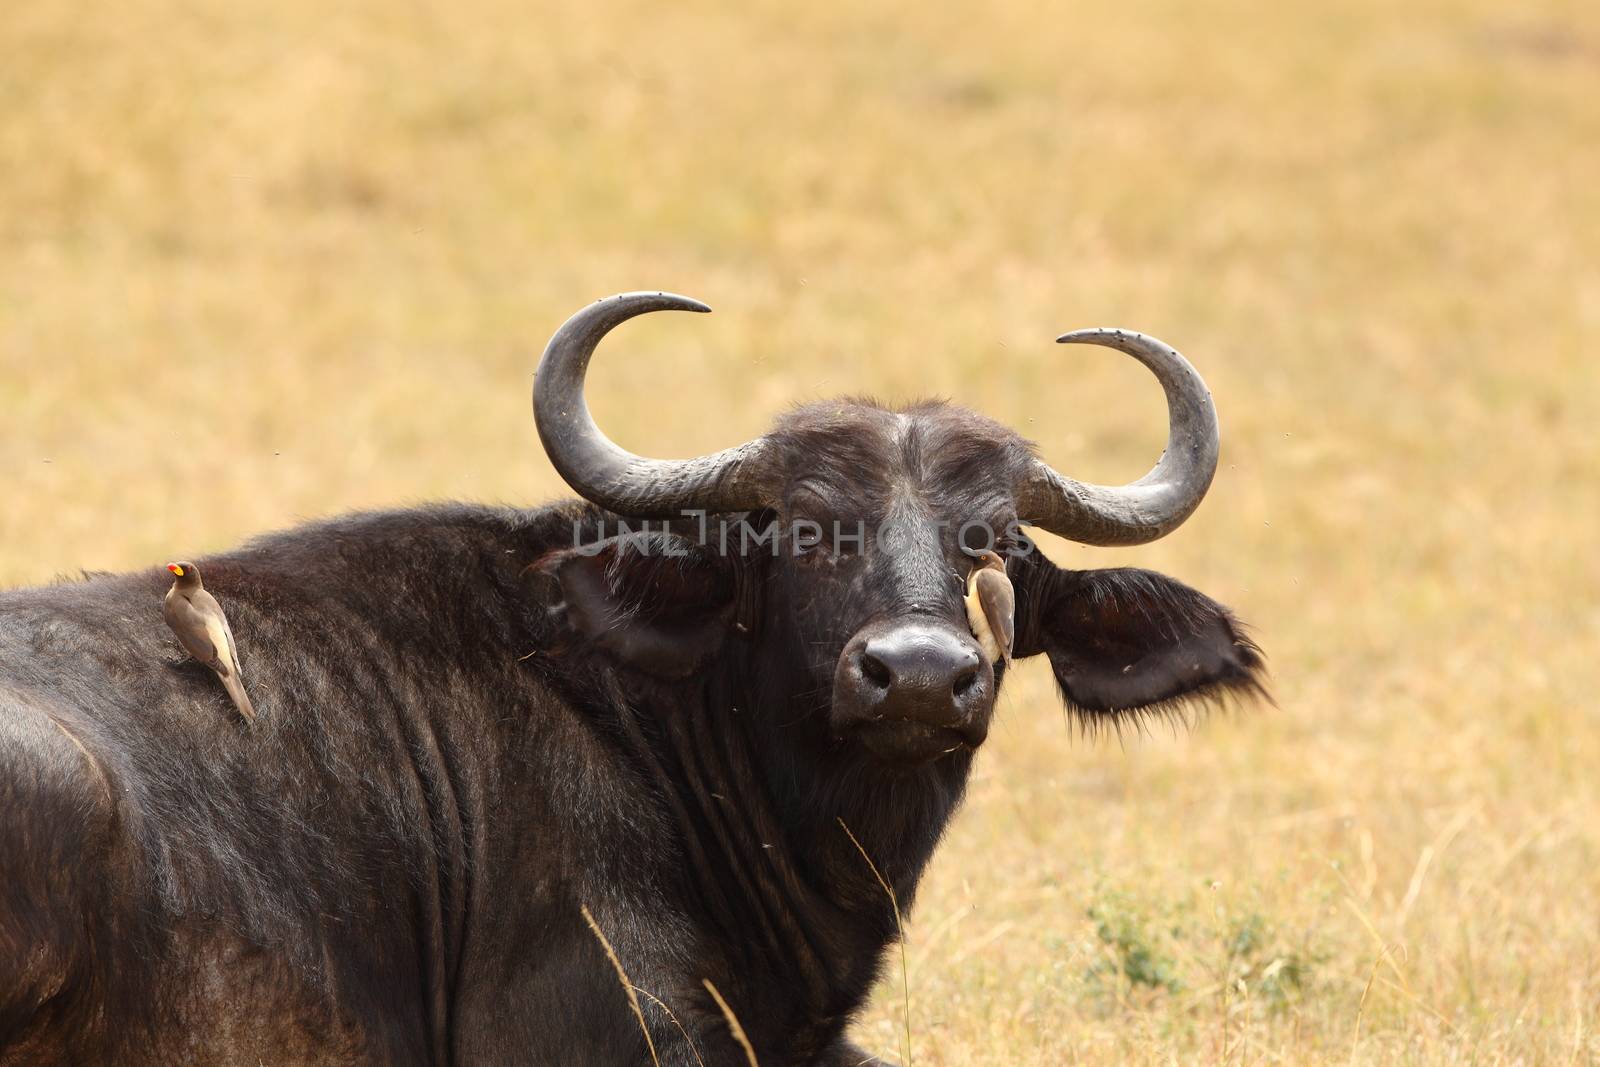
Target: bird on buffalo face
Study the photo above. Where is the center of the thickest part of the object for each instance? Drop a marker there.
(202, 629)
(991, 606)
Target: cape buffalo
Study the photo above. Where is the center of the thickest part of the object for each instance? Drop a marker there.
(489, 738)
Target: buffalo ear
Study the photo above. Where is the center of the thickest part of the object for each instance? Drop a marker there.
(655, 602)
(1126, 642)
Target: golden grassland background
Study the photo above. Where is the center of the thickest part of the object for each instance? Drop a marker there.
(260, 263)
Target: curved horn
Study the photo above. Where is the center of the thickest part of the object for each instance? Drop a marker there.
(1156, 504)
(609, 475)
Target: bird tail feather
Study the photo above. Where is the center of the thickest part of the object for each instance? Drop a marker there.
(241, 700)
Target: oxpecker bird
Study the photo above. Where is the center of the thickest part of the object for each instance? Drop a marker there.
(991, 606)
(202, 628)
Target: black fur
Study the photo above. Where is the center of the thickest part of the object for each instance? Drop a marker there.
(469, 731)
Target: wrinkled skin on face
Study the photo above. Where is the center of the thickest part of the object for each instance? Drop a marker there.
(876, 601)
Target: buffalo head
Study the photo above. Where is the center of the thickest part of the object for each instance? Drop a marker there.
(840, 542)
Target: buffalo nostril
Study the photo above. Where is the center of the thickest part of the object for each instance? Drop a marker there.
(965, 682)
(874, 671)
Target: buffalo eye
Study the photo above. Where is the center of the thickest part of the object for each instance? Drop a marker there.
(992, 534)
(808, 538)
(814, 530)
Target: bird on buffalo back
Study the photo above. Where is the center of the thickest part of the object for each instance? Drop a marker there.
(202, 629)
(991, 606)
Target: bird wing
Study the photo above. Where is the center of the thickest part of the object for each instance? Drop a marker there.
(999, 603)
(222, 639)
(190, 624)
(220, 633)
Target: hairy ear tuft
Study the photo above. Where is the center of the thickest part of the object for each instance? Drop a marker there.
(1129, 646)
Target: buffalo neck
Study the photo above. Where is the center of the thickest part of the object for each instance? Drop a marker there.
(791, 839)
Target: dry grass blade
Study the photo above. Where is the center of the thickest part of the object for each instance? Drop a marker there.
(658, 1002)
(1361, 1008)
(94, 764)
(733, 1023)
(900, 932)
(622, 976)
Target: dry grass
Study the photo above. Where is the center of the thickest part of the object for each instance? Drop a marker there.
(262, 262)
(628, 988)
(900, 942)
(734, 1026)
